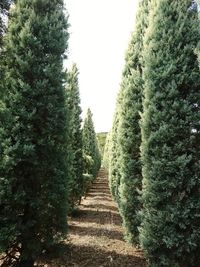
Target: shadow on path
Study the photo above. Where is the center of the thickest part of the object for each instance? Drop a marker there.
(96, 234)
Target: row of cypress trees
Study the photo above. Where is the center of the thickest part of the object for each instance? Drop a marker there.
(84, 156)
(41, 141)
(154, 147)
(75, 144)
(91, 151)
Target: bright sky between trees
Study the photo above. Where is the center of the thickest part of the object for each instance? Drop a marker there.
(99, 35)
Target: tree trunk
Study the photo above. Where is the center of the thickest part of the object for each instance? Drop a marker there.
(26, 253)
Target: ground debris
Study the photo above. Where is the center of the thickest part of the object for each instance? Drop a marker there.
(96, 235)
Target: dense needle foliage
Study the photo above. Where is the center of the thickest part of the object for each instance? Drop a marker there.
(129, 132)
(33, 173)
(106, 153)
(90, 146)
(152, 154)
(4, 8)
(75, 138)
(170, 231)
(114, 171)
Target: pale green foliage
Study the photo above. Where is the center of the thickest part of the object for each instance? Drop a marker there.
(125, 174)
(101, 137)
(170, 231)
(114, 175)
(106, 154)
(129, 132)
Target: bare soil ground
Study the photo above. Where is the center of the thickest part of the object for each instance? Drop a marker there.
(96, 235)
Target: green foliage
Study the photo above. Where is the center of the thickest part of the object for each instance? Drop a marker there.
(90, 146)
(33, 173)
(170, 231)
(106, 154)
(4, 7)
(129, 132)
(75, 138)
(101, 137)
(114, 173)
(88, 162)
(87, 181)
(125, 174)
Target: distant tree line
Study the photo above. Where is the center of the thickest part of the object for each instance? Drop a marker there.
(45, 157)
(153, 150)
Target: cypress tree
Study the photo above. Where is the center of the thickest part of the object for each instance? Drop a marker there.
(75, 137)
(114, 173)
(97, 155)
(170, 231)
(129, 132)
(106, 154)
(90, 144)
(88, 178)
(33, 170)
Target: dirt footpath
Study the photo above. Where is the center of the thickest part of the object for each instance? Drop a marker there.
(95, 234)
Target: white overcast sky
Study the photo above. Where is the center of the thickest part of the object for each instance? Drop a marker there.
(99, 35)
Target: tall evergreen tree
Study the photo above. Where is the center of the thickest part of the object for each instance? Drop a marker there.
(170, 231)
(106, 154)
(75, 137)
(33, 170)
(114, 162)
(129, 132)
(90, 144)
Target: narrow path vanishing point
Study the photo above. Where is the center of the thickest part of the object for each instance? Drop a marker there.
(95, 233)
